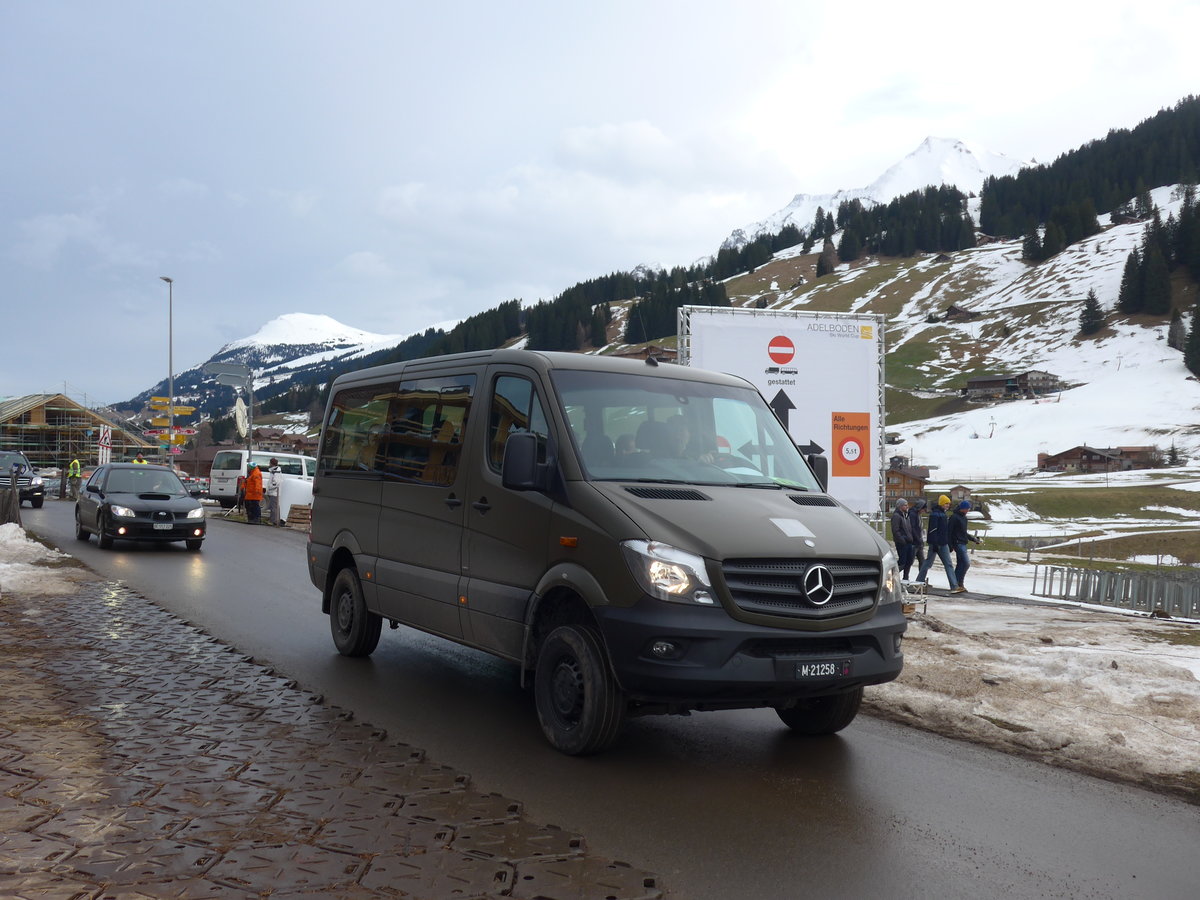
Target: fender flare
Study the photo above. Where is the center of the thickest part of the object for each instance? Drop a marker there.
(566, 574)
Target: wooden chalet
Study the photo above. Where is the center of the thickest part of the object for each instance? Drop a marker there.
(1011, 387)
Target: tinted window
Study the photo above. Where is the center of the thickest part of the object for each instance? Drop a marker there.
(515, 407)
(412, 431)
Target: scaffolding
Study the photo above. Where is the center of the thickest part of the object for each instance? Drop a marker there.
(52, 429)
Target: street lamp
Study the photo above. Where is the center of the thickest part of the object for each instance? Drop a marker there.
(170, 364)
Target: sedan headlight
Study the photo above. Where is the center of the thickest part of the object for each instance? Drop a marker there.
(197, 513)
(890, 590)
(669, 573)
(123, 511)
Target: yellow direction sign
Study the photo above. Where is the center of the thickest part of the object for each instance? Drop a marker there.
(184, 410)
(160, 420)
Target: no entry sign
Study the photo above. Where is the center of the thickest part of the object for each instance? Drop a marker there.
(781, 349)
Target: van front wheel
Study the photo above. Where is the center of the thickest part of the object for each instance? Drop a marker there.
(579, 705)
(355, 629)
(823, 715)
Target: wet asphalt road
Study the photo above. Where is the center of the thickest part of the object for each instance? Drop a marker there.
(718, 805)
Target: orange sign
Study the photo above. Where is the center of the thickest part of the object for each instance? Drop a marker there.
(851, 445)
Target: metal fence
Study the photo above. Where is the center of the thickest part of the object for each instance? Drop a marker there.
(1127, 590)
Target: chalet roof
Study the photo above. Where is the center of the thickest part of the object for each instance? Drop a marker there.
(15, 407)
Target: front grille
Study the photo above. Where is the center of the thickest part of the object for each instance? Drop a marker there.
(775, 587)
(667, 493)
(23, 482)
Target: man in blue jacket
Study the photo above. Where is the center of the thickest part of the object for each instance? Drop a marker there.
(939, 539)
(958, 537)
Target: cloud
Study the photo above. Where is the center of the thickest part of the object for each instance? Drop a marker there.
(47, 237)
(366, 264)
(299, 203)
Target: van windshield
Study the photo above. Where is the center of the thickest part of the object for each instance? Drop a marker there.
(663, 429)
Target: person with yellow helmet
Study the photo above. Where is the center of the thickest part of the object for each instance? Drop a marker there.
(939, 543)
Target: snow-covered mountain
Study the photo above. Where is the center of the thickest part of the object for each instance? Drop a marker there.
(297, 340)
(936, 162)
(291, 349)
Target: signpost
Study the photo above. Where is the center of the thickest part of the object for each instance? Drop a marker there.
(237, 376)
(822, 374)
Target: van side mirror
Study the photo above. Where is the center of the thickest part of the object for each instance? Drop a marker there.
(520, 470)
(820, 467)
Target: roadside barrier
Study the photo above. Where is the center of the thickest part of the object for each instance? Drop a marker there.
(1151, 594)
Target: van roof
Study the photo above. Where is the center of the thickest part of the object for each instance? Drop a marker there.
(542, 360)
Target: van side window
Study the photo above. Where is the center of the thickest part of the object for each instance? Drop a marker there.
(350, 440)
(515, 407)
(426, 421)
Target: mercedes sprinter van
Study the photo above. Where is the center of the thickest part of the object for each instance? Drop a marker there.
(638, 538)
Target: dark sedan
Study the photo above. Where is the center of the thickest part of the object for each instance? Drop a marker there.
(135, 502)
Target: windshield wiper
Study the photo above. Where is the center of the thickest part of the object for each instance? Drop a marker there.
(768, 485)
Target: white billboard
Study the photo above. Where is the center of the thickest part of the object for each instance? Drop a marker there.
(820, 372)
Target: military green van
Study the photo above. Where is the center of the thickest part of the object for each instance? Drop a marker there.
(640, 538)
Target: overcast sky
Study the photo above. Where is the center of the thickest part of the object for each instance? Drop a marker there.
(396, 165)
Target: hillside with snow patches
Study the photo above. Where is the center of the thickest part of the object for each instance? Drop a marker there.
(1128, 387)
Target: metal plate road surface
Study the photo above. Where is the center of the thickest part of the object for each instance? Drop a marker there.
(140, 757)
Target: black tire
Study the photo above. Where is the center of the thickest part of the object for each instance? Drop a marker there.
(194, 546)
(823, 715)
(225, 504)
(81, 533)
(354, 628)
(104, 539)
(37, 502)
(579, 704)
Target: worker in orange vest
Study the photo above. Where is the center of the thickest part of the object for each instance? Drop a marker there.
(254, 493)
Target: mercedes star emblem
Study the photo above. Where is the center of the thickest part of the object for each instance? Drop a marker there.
(818, 585)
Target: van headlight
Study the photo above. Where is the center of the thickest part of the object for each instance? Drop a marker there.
(668, 573)
(890, 590)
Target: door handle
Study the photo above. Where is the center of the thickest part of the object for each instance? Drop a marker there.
(482, 504)
(453, 502)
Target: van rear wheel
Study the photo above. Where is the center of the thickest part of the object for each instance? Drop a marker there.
(823, 715)
(579, 705)
(355, 629)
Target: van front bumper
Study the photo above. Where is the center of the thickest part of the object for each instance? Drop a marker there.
(699, 658)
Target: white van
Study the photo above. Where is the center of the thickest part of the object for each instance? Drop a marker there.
(230, 465)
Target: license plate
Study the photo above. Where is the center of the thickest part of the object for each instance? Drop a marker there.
(824, 668)
(163, 526)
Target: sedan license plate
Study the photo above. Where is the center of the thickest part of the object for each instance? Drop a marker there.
(823, 668)
(163, 526)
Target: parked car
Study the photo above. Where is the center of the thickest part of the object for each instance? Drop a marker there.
(29, 482)
(133, 502)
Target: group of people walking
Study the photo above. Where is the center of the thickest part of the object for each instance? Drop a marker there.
(941, 534)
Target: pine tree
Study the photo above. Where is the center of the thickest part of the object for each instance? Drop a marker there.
(849, 246)
(1091, 319)
(1054, 241)
(1130, 299)
(1176, 333)
(1191, 353)
(1157, 283)
(827, 261)
(1031, 247)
